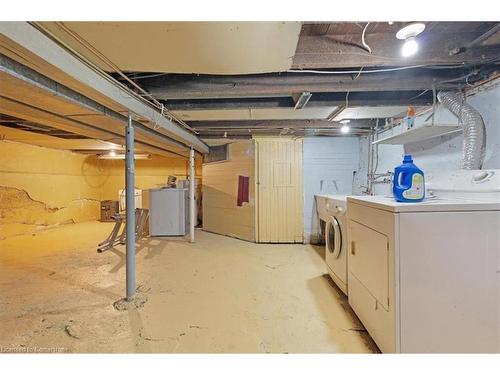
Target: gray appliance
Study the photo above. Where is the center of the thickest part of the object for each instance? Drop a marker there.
(168, 212)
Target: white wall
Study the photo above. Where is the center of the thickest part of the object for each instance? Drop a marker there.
(329, 163)
(441, 153)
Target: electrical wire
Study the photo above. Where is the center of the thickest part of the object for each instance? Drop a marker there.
(419, 95)
(383, 70)
(355, 71)
(363, 39)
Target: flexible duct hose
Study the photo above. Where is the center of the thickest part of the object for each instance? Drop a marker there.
(473, 128)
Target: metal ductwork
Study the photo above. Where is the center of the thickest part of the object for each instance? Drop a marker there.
(473, 128)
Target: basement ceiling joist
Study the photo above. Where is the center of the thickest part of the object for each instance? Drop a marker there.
(311, 113)
(246, 129)
(28, 95)
(371, 113)
(171, 87)
(333, 99)
(24, 43)
(278, 124)
(43, 140)
(338, 44)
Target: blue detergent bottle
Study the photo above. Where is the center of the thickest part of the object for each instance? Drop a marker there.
(408, 184)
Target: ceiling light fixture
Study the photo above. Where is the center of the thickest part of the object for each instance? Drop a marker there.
(345, 129)
(116, 156)
(408, 34)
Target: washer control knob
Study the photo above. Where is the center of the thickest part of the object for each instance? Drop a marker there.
(480, 176)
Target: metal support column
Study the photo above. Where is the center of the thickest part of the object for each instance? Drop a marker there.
(192, 203)
(130, 208)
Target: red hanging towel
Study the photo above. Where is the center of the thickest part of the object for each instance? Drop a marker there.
(243, 189)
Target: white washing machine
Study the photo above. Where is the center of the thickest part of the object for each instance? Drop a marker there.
(332, 210)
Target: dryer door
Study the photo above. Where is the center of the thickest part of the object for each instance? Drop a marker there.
(333, 237)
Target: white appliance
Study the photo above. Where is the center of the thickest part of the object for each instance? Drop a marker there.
(332, 210)
(425, 277)
(122, 199)
(168, 212)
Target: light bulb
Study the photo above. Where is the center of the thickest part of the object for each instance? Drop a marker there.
(410, 47)
(345, 129)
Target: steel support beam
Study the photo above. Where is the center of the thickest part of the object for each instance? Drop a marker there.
(192, 202)
(130, 208)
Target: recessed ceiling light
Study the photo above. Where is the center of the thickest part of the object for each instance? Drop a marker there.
(410, 30)
(410, 47)
(408, 34)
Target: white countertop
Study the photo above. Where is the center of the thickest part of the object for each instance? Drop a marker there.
(340, 197)
(427, 205)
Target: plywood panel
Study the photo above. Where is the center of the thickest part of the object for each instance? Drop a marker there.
(280, 190)
(186, 47)
(221, 214)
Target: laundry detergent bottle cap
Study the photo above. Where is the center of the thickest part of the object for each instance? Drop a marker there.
(408, 184)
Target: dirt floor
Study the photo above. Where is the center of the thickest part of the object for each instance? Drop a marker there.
(217, 295)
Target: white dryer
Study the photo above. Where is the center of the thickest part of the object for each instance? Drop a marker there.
(425, 277)
(332, 210)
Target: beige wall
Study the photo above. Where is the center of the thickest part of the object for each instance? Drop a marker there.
(40, 186)
(221, 213)
(148, 173)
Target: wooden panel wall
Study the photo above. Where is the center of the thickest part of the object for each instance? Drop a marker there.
(221, 213)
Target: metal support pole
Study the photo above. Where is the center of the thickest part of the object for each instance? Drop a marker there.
(192, 202)
(130, 208)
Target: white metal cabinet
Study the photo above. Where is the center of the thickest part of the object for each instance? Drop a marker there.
(168, 212)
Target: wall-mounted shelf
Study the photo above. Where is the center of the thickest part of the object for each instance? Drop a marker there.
(419, 133)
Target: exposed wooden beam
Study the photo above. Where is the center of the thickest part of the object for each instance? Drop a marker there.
(274, 85)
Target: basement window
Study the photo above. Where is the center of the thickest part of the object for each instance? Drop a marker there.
(216, 154)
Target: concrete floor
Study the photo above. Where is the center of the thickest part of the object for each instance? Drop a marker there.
(217, 295)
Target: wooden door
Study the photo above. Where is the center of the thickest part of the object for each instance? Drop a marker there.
(279, 187)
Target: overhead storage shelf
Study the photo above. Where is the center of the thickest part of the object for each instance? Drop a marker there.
(419, 133)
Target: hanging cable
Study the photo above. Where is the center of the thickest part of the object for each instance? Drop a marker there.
(419, 95)
(355, 71)
(363, 39)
